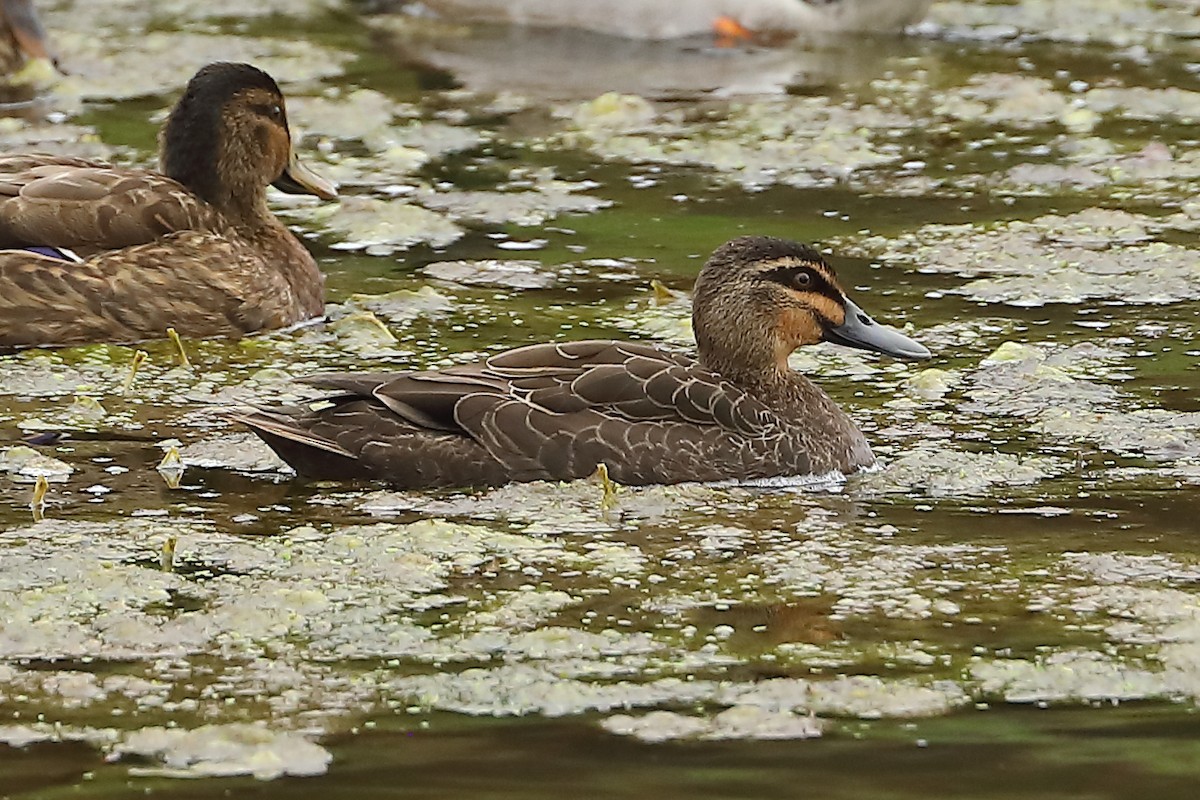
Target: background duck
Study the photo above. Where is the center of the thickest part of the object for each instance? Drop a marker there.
(653, 19)
(557, 411)
(194, 247)
(573, 64)
(21, 36)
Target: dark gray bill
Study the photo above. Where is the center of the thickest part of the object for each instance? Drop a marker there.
(860, 331)
(299, 179)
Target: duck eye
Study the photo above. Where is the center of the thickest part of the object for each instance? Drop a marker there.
(802, 279)
(272, 111)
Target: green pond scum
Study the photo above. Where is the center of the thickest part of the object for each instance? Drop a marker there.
(1007, 606)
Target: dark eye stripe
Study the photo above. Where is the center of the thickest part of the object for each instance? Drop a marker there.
(786, 276)
(783, 275)
(269, 110)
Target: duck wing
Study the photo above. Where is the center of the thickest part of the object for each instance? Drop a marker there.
(628, 381)
(552, 411)
(71, 202)
(193, 281)
(649, 415)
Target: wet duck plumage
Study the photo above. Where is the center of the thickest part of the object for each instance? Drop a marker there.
(557, 411)
(94, 252)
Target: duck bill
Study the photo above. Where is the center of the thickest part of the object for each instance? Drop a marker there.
(299, 179)
(860, 331)
(27, 29)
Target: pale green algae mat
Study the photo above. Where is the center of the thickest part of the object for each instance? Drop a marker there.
(1008, 607)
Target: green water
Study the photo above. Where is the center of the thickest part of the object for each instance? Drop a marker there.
(1079, 753)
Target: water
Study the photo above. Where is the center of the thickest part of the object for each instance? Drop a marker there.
(1007, 608)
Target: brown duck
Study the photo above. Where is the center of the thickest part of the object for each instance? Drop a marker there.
(21, 36)
(557, 411)
(193, 247)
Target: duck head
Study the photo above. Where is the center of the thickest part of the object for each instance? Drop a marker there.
(759, 298)
(227, 139)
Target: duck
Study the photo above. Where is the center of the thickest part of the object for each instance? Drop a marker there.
(22, 37)
(557, 411)
(91, 252)
(729, 19)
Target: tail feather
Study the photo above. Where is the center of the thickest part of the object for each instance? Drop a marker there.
(310, 455)
(278, 425)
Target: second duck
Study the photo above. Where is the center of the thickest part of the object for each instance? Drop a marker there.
(96, 253)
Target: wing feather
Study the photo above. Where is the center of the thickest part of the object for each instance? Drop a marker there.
(70, 202)
(134, 294)
(551, 411)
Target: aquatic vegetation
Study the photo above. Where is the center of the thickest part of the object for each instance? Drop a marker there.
(804, 142)
(379, 227)
(1052, 259)
(223, 750)
(1119, 23)
(546, 200)
(27, 465)
(940, 471)
(65, 139)
(508, 274)
(1027, 539)
(132, 63)
(738, 722)
(243, 452)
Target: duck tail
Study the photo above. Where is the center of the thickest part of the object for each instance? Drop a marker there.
(309, 454)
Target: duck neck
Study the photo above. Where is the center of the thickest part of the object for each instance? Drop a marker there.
(749, 374)
(222, 177)
(828, 434)
(750, 356)
(775, 384)
(240, 189)
(245, 208)
(242, 208)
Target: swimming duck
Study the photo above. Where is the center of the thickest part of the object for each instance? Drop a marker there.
(193, 247)
(654, 19)
(557, 411)
(21, 36)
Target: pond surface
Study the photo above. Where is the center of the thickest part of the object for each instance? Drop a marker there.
(1008, 607)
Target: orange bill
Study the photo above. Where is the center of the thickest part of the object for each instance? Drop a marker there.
(729, 32)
